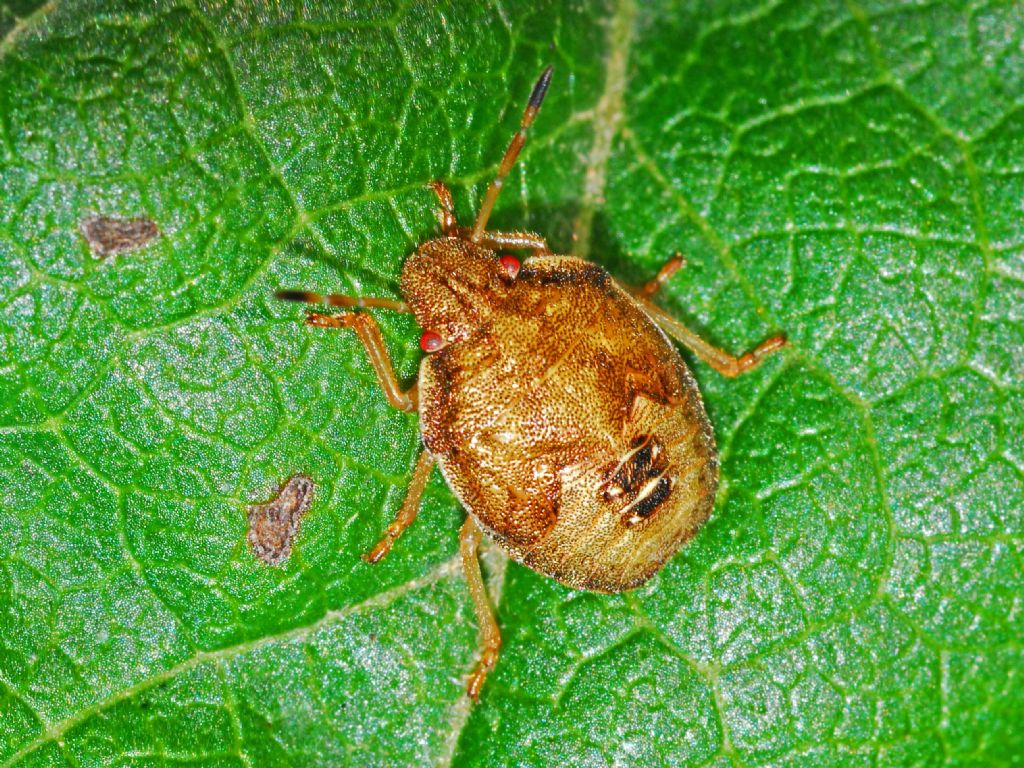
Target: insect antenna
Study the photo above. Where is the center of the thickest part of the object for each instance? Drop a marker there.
(511, 154)
(337, 300)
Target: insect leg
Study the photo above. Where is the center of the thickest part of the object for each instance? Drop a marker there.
(490, 635)
(369, 334)
(668, 269)
(720, 360)
(536, 97)
(407, 513)
(450, 227)
(447, 213)
(337, 300)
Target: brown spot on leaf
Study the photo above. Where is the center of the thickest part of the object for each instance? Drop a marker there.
(107, 235)
(274, 525)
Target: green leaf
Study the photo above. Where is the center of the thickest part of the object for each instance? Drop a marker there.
(849, 173)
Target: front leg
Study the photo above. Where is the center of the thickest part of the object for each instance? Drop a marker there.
(369, 334)
(527, 241)
(668, 269)
(723, 362)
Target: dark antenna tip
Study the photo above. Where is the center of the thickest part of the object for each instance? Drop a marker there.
(292, 295)
(541, 88)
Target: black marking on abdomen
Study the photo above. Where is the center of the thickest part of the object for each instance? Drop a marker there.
(648, 505)
(639, 481)
(644, 462)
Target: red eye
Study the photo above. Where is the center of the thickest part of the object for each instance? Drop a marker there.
(511, 265)
(430, 342)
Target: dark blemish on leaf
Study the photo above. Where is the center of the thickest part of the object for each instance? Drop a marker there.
(274, 525)
(107, 235)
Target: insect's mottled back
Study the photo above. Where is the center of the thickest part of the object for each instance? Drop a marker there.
(571, 429)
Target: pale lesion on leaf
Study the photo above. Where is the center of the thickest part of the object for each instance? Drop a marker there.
(274, 524)
(107, 235)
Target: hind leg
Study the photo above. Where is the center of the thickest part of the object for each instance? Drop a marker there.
(723, 362)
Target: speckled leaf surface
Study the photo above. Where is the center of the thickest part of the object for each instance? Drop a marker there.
(851, 173)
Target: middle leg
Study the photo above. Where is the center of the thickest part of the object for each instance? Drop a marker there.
(408, 511)
(490, 634)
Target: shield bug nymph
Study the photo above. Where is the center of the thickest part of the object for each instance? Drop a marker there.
(552, 400)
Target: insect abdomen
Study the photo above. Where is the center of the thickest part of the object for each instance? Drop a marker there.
(582, 446)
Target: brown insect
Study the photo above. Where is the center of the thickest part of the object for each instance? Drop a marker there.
(552, 400)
